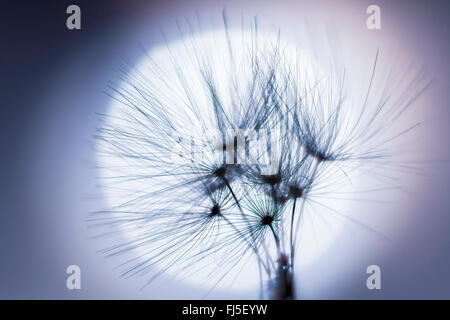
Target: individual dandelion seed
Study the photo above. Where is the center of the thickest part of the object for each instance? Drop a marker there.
(184, 236)
(190, 204)
(337, 135)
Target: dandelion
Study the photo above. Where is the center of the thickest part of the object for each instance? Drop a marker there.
(216, 145)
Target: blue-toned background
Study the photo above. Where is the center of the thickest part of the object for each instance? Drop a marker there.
(52, 83)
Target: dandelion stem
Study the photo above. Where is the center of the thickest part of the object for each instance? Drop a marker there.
(291, 232)
(277, 240)
(302, 205)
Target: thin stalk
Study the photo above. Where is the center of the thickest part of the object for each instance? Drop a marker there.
(302, 205)
(277, 240)
(291, 231)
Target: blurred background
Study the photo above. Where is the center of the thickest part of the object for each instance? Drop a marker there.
(52, 85)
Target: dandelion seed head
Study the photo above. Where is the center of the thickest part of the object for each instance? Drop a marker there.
(188, 203)
(272, 179)
(295, 191)
(266, 220)
(215, 210)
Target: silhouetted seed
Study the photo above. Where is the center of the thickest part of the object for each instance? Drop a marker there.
(215, 210)
(295, 192)
(220, 172)
(266, 220)
(272, 179)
